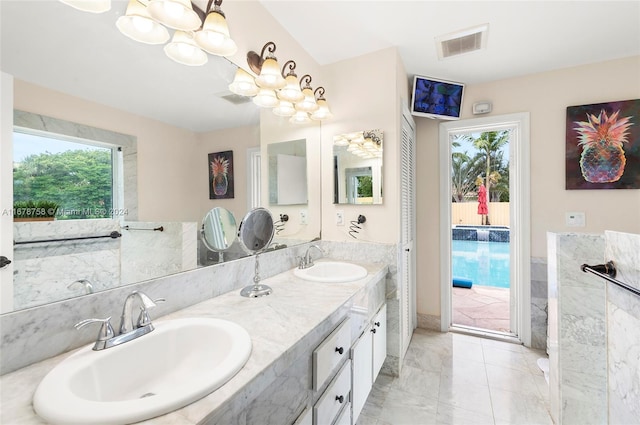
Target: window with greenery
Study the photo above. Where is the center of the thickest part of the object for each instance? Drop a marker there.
(63, 177)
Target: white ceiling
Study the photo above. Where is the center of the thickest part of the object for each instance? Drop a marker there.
(89, 58)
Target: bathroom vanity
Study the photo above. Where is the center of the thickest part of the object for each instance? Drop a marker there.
(316, 349)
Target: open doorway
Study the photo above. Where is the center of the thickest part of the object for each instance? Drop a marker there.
(488, 226)
(480, 232)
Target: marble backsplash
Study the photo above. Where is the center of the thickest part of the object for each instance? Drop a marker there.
(623, 329)
(35, 334)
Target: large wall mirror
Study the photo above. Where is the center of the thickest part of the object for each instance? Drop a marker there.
(162, 118)
(357, 167)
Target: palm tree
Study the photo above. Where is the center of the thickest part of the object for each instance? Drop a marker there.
(488, 144)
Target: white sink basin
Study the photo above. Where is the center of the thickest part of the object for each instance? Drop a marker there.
(331, 271)
(179, 362)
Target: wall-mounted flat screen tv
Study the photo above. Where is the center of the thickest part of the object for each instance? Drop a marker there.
(437, 99)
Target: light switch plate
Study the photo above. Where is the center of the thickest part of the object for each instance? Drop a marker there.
(303, 217)
(575, 219)
(339, 218)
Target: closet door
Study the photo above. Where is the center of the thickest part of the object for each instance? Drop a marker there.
(408, 223)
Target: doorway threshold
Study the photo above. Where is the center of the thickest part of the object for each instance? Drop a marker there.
(486, 333)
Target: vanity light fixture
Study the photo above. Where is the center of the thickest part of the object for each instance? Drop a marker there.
(323, 112)
(92, 6)
(308, 104)
(266, 98)
(243, 84)
(183, 49)
(284, 109)
(214, 36)
(273, 89)
(138, 25)
(176, 14)
(145, 21)
(291, 92)
(267, 68)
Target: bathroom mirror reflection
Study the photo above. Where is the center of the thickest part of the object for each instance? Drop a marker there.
(358, 167)
(288, 173)
(116, 92)
(218, 229)
(256, 230)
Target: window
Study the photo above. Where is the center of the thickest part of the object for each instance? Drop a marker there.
(63, 176)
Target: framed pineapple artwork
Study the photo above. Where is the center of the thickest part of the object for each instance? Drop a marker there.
(603, 146)
(221, 175)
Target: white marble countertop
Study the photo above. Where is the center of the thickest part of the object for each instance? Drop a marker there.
(276, 323)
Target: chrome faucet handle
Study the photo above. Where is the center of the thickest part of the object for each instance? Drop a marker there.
(143, 318)
(106, 330)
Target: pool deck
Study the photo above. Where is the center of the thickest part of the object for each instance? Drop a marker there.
(483, 307)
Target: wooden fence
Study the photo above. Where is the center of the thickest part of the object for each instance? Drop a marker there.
(467, 213)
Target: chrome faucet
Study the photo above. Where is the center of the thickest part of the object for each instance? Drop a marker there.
(84, 283)
(128, 329)
(307, 261)
(126, 319)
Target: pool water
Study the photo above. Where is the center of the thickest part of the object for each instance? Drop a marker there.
(485, 263)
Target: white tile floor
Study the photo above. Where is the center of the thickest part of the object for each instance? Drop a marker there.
(450, 378)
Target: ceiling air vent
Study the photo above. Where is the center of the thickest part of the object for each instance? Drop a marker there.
(461, 42)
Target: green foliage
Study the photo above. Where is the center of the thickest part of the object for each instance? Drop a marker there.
(365, 187)
(30, 209)
(487, 162)
(79, 181)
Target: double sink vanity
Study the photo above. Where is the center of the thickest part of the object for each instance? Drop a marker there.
(306, 354)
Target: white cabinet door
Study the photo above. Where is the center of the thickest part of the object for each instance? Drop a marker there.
(362, 378)
(379, 340)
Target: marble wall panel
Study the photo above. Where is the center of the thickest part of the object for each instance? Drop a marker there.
(623, 328)
(577, 330)
(149, 254)
(45, 272)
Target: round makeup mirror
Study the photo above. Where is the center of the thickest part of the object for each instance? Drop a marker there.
(218, 229)
(255, 234)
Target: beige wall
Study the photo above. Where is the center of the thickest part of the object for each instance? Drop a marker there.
(363, 95)
(237, 140)
(546, 96)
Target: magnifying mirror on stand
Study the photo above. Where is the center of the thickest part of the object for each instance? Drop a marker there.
(255, 234)
(218, 230)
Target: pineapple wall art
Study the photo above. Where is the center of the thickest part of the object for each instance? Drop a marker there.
(221, 175)
(603, 146)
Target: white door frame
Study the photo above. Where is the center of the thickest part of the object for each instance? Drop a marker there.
(519, 194)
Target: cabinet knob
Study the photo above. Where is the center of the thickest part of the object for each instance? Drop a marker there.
(4, 261)
(377, 324)
(373, 330)
(340, 399)
(339, 350)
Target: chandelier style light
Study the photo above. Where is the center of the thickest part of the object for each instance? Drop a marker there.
(196, 32)
(364, 144)
(279, 88)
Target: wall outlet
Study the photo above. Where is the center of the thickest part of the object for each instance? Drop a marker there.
(303, 217)
(575, 219)
(340, 218)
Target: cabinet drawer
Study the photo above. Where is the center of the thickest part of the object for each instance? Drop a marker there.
(330, 354)
(334, 398)
(345, 416)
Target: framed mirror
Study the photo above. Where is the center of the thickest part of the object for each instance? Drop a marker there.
(357, 167)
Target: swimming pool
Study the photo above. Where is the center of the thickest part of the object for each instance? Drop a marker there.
(485, 263)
